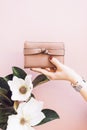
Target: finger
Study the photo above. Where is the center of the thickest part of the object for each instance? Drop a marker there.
(48, 69)
(51, 69)
(44, 71)
(56, 62)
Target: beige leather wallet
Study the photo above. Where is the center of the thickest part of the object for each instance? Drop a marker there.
(36, 54)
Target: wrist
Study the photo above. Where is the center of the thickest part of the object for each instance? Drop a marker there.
(75, 78)
(78, 82)
(79, 85)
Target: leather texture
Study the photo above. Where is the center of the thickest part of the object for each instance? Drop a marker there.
(36, 54)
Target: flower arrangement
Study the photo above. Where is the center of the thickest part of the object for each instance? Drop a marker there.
(19, 108)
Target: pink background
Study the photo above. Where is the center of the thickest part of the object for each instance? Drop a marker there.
(48, 20)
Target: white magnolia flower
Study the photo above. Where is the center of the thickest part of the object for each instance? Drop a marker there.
(21, 89)
(29, 114)
(17, 122)
(32, 111)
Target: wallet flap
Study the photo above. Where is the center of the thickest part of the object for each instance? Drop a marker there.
(50, 48)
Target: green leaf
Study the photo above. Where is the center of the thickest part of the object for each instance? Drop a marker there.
(32, 95)
(40, 79)
(3, 126)
(19, 72)
(4, 113)
(8, 77)
(3, 91)
(4, 84)
(50, 115)
(4, 98)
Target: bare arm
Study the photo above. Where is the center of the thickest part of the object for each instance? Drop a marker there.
(64, 73)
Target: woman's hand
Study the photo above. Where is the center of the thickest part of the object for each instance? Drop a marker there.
(62, 72)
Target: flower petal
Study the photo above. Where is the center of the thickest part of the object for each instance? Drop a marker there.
(33, 106)
(28, 81)
(14, 84)
(13, 122)
(37, 119)
(16, 80)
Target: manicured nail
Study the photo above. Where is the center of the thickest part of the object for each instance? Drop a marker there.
(50, 58)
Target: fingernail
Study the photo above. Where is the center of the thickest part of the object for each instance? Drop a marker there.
(50, 58)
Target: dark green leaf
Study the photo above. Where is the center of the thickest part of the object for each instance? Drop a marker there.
(5, 100)
(3, 91)
(5, 96)
(3, 126)
(32, 95)
(9, 94)
(6, 110)
(19, 72)
(50, 115)
(4, 84)
(4, 113)
(8, 77)
(40, 79)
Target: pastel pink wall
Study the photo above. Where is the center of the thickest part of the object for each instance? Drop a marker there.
(48, 20)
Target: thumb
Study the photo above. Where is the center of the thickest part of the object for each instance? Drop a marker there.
(56, 62)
